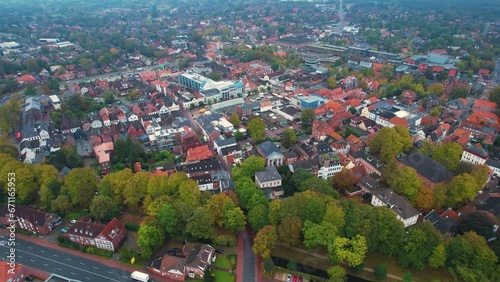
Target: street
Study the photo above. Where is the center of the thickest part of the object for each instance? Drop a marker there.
(54, 261)
(249, 274)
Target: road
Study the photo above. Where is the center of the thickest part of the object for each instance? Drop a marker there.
(68, 265)
(249, 274)
(112, 76)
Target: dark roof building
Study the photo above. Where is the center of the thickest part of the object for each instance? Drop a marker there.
(432, 171)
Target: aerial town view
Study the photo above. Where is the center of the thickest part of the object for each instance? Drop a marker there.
(249, 141)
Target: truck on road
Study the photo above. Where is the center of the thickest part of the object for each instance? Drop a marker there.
(139, 276)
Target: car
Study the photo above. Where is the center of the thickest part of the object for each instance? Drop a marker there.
(3, 226)
(294, 279)
(300, 279)
(172, 253)
(73, 221)
(176, 250)
(29, 278)
(64, 230)
(220, 251)
(289, 278)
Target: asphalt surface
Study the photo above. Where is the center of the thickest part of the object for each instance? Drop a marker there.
(112, 76)
(249, 274)
(54, 261)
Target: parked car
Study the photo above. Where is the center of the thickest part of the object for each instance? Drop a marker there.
(294, 279)
(289, 278)
(3, 226)
(300, 279)
(220, 251)
(172, 253)
(176, 250)
(64, 230)
(29, 278)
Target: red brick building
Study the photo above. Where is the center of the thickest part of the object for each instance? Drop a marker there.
(107, 237)
(33, 220)
(11, 275)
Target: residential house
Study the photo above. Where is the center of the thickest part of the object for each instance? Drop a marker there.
(446, 222)
(321, 129)
(32, 220)
(269, 179)
(190, 140)
(494, 166)
(289, 113)
(368, 184)
(405, 212)
(103, 153)
(106, 237)
(329, 164)
(200, 153)
(474, 155)
(200, 168)
(371, 164)
(192, 263)
(271, 153)
(491, 203)
(12, 272)
(355, 144)
(484, 105)
(455, 108)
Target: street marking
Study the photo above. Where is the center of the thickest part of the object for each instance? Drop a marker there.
(68, 259)
(42, 251)
(31, 248)
(110, 272)
(32, 260)
(96, 267)
(45, 264)
(59, 268)
(55, 255)
(20, 256)
(82, 263)
(73, 273)
(87, 278)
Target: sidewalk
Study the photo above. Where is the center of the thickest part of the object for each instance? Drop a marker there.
(101, 260)
(326, 258)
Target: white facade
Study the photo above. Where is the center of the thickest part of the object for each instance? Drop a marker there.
(472, 158)
(326, 172)
(406, 221)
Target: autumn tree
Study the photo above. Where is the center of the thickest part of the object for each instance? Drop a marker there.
(62, 204)
(436, 88)
(26, 186)
(405, 181)
(332, 83)
(448, 154)
(352, 251)
(217, 205)
(425, 198)
(265, 241)
(10, 114)
(480, 173)
(257, 129)
(336, 273)
(289, 138)
(344, 179)
(235, 119)
(462, 188)
(289, 231)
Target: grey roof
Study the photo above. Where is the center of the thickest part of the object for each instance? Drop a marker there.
(397, 203)
(323, 148)
(427, 167)
(221, 141)
(203, 166)
(493, 163)
(229, 149)
(369, 182)
(443, 224)
(492, 204)
(269, 173)
(290, 111)
(268, 148)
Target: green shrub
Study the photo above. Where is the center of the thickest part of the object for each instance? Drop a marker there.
(220, 241)
(232, 258)
(268, 265)
(292, 265)
(130, 226)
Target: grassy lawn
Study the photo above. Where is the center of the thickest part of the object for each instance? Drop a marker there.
(222, 276)
(222, 261)
(428, 274)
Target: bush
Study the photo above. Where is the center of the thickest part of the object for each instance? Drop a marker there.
(232, 258)
(66, 242)
(358, 268)
(380, 271)
(220, 241)
(130, 226)
(408, 277)
(268, 265)
(292, 265)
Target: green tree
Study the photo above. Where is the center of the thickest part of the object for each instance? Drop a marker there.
(216, 207)
(438, 257)
(381, 271)
(25, 184)
(419, 245)
(391, 141)
(238, 135)
(30, 90)
(480, 173)
(470, 259)
(289, 138)
(448, 154)
(352, 251)
(257, 129)
(103, 208)
(248, 167)
(289, 231)
(150, 238)
(109, 96)
(495, 95)
(201, 225)
(133, 95)
(167, 217)
(258, 216)
(407, 277)
(478, 222)
(265, 241)
(307, 116)
(80, 184)
(462, 188)
(459, 92)
(336, 273)
(235, 120)
(62, 204)
(234, 219)
(405, 181)
(436, 88)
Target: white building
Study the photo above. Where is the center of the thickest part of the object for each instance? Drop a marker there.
(210, 89)
(474, 155)
(399, 204)
(494, 166)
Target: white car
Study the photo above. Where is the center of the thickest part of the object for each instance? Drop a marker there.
(289, 278)
(73, 221)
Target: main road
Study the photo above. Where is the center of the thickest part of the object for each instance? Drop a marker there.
(65, 264)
